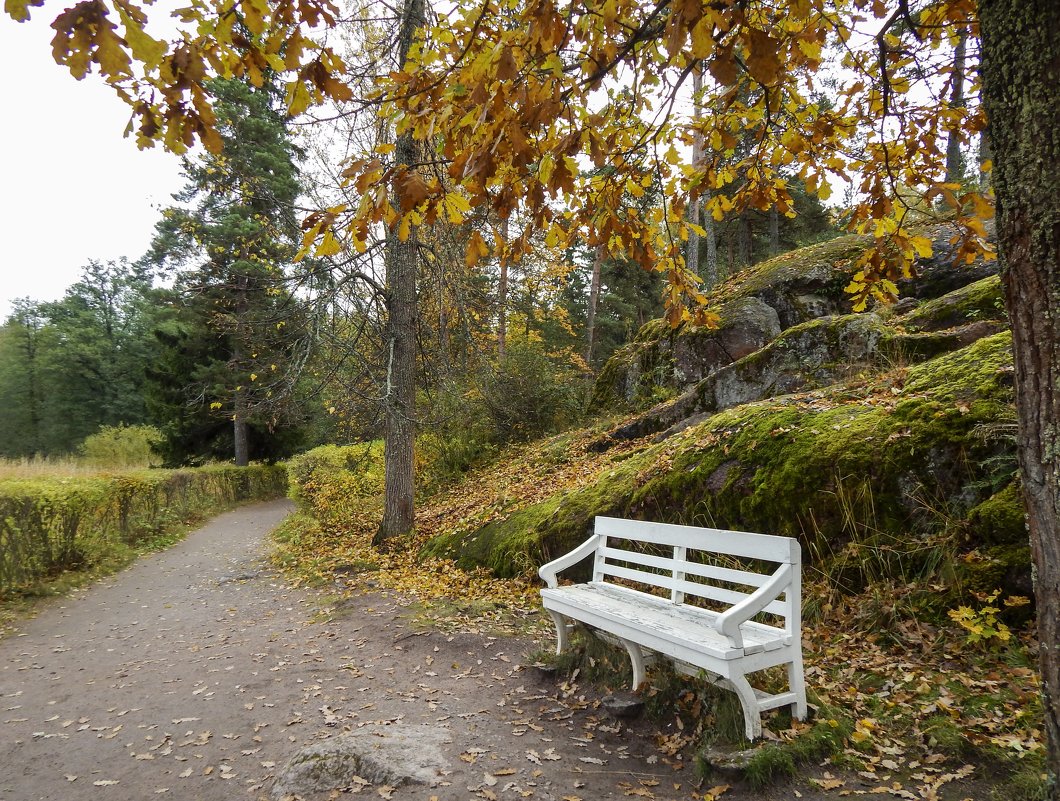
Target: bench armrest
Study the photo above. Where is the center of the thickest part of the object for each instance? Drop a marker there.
(729, 622)
(548, 571)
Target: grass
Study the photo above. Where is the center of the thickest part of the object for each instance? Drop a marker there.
(53, 467)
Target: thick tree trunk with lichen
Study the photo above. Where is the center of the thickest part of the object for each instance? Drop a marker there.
(399, 400)
(1021, 70)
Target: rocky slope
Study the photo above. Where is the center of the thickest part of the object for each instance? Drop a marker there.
(883, 440)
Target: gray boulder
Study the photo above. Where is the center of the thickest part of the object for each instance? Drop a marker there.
(385, 755)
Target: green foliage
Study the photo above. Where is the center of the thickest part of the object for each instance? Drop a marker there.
(69, 367)
(983, 624)
(120, 447)
(51, 525)
(529, 393)
(230, 333)
(332, 481)
(460, 434)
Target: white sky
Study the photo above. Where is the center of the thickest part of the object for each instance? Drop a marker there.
(71, 188)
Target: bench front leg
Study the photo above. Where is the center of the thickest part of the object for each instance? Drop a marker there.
(797, 684)
(752, 716)
(562, 631)
(636, 659)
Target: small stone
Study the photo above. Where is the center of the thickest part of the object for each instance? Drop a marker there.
(623, 705)
(729, 762)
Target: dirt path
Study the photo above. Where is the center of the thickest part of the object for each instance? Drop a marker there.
(196, 673)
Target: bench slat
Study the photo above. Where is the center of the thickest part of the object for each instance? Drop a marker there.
(734, 543)
(707, 591)
(684, 566)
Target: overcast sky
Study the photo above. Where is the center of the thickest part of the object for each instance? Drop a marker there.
(71, 188)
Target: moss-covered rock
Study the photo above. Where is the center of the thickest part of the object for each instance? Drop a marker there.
(978, 301)
(858, 461)
(789, 291)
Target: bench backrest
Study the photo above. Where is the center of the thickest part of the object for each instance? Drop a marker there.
(721, 568)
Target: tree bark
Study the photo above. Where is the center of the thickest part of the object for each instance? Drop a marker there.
(954, 157)
(594, 299)
(502, 298)
(774, 232)
(710, 249)
(399, 400)
(240, 439)
(984, 156)
(1021, 70)
(695, 208)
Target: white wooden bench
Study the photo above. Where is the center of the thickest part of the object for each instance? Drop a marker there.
(699, 596)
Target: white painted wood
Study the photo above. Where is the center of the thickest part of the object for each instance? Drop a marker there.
(735, 543)
(548, 571)
(724, 642)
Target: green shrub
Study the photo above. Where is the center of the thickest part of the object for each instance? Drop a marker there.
(331, 481)
(48, 525)
(120, 447)
(530, 394)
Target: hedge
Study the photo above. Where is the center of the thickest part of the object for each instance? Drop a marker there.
(48, 525)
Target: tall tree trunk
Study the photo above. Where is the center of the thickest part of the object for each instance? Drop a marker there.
(240, 439)
(695, 208)
(774, 232)
(984, 156)
(1021, 70)
(710, 248)
(502, 298)
(745, 249)
(594, 299)
(954, 157)
(444, 345)
(399, 404)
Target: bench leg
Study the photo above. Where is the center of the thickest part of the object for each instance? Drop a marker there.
(560, 623)
(797, 684)
(752, 717)
(636, 659)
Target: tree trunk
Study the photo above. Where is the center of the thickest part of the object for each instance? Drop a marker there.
(695, 208)
(710, 251)
(984, 156)
(745, 248)
(241, 442)
(502, 298)
(399, 403)
(954, 157)
(774, 232)
(594, 299)
(1021, 70)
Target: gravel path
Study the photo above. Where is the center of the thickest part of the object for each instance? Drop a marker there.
(197, 673)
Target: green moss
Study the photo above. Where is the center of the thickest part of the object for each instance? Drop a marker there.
(980, 300)
(982, 371)
(999, 520)
(829, 260)
(888, 471)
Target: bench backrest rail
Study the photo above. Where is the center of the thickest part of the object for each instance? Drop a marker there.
(681, 578)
